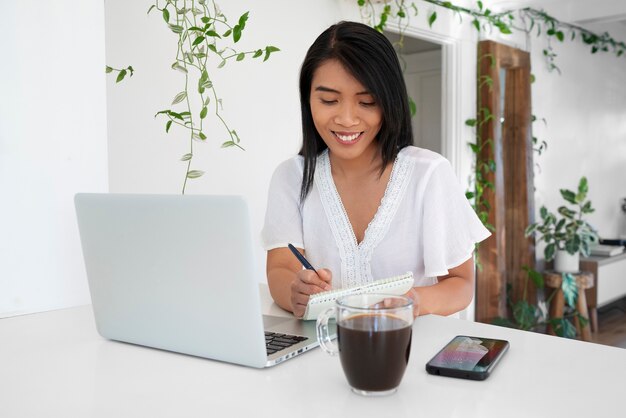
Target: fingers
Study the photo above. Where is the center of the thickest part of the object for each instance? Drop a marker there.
(315, 283)
(308, 283)
(415, 297)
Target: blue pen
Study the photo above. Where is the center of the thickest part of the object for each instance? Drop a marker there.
(300, 257)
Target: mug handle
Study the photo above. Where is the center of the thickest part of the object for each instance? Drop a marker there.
(323, 335)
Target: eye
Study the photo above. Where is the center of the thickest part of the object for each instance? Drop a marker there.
(368, 104)
(328, 102)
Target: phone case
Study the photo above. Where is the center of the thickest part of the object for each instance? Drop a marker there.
(465, 374)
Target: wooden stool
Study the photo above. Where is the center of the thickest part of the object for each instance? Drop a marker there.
(584, 280)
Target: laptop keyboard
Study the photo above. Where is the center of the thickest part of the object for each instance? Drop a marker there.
(275, 342)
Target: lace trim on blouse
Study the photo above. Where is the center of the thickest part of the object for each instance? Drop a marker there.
(356, 258)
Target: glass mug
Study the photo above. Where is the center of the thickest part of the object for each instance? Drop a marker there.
(373, 340)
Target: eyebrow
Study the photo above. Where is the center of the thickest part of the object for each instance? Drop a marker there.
(329, 90)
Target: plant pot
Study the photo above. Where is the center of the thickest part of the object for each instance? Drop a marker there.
(565, 262)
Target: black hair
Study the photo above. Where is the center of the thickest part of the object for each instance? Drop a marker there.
(370, 58)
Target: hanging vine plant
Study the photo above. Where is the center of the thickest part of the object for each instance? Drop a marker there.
(205, 42)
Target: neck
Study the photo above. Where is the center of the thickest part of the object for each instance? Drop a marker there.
(366, 164)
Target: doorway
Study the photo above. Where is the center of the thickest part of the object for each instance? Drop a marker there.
(422, 67)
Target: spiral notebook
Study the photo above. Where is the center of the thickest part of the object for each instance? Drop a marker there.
(396, 285)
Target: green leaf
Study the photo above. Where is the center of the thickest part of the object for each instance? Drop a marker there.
(568, 195)
(549, 251)
(179, 97)
(202, 136)
(175, 115)
(525, 314)
(176, 28)
(166, 16)
(150, 9)
(243, 19)
(563, 327)
(227, 33)
(241, 56)
(480, 5)
(471, 122)
(268, 50)
(583, 187)
(469, 195)
(168, 125)
(504, 28)
(178, 67)
(228, 144)
(213, 34)
(221, 64)
(203, 113)
(108, 69)
(120, 76)
(258, 53)
(412, 107)
(237, 33)
(194, 174)
(570, 289)
(535, 276)
(476, 24)
(198, 41)
(560, 36)
(432, 19)
(503, 322)
(212, 48)
(186, 157)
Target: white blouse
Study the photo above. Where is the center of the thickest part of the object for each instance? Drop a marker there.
(424, 223)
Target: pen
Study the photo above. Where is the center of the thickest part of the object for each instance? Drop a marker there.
(300, 257)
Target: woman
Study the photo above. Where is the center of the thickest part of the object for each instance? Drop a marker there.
(359, 200)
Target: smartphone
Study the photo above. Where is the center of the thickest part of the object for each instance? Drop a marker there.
(468, 357)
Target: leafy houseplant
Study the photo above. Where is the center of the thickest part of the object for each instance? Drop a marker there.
(570, 232)
(527, 316)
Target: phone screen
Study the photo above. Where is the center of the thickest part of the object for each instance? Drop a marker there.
(469, 354)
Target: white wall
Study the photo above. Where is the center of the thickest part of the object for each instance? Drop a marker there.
(52, 144)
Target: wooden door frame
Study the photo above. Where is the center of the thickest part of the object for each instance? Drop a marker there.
(511, 201)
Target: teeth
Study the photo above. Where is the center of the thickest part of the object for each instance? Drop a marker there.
(348, 138)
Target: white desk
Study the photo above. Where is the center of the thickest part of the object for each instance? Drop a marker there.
(54, 364)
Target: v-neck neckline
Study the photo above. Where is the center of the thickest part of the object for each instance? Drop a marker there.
(346, 219)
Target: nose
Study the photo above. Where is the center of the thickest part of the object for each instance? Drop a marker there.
(347, 115)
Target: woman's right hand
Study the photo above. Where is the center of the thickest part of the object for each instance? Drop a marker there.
(308, 283)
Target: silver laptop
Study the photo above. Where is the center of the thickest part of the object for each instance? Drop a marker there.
(177, 273)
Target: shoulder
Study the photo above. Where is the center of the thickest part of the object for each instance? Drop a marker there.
(290, 167)
(421, 156)
(424, 161)
(288, 174)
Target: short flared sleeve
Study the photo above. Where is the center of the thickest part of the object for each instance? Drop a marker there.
(283, 217)
(451, 228)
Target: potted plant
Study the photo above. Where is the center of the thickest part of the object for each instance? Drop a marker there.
(569, 235)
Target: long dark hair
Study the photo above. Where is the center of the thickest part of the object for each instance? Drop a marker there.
(370, 58)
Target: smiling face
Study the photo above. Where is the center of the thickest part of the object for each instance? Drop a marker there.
(345, 114)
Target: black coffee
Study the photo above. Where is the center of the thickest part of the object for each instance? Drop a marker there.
(374, 360)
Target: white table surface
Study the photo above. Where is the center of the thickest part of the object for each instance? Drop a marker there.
(54, 364)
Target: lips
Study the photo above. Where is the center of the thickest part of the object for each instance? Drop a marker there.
(347, 137)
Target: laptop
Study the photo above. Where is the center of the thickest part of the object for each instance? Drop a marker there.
(177, 273)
